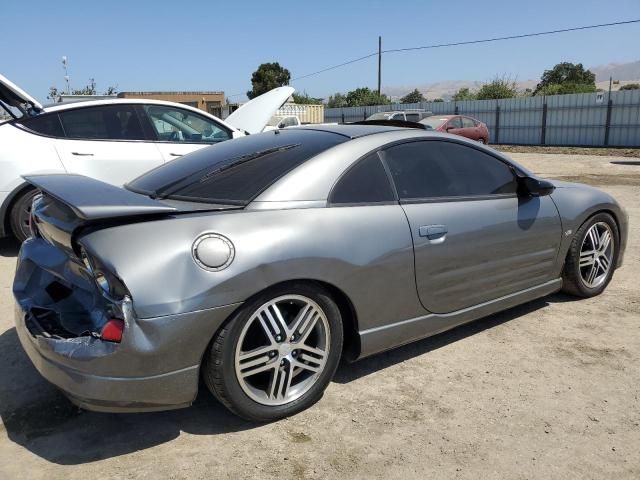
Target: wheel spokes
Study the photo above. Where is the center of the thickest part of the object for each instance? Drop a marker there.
(587, 258)
(287, 347)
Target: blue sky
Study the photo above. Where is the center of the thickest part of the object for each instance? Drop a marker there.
(214, 45)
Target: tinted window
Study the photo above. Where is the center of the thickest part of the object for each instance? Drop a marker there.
(366, 182)
(235, 172)
(45, 124)
(455, 123)
(178, 125)
(445, 169)
(412, 117)
(108, 122)
(467, 122)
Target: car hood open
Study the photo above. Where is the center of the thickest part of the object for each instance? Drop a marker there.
(13, 95)
(254, 115)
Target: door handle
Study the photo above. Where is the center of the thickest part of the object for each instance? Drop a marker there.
(433, 232)
(175, 154)
(81, 154)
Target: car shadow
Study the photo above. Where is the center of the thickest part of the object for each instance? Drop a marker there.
(9, 247)
(348, 372)
(40, 418)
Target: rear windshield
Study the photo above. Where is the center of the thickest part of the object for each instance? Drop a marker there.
(434, 122)
(235, 171)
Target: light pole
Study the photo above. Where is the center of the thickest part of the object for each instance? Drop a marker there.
(66, 73)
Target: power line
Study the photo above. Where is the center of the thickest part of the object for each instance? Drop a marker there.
(510, 37)
(469, 42)
(454, 44)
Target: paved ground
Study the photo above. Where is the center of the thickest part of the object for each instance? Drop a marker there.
(546, 390)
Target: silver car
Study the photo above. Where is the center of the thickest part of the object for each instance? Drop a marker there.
(258, 263)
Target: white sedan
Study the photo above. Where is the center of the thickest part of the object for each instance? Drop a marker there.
(113, 140)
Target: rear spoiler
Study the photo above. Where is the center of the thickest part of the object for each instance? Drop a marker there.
(91, 199)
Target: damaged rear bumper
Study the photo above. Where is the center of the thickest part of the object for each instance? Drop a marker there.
(52, 358)
(154, 367)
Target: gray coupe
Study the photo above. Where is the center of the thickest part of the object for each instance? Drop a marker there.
(258, 263)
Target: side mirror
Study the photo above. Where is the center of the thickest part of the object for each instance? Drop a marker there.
(535, 187)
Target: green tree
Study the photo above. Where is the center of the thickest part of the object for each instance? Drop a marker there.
(572, 78)
(464, 94)
(267, 77)
(336, 101)
(437, 100)
(630, 86)
(499, 87)
(413, 97)
(364, 96)
(306, 99)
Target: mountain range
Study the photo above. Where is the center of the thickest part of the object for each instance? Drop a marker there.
(623, 73)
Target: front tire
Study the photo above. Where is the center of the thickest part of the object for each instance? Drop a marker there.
(592, 257)
(277, 354)
(20, 213)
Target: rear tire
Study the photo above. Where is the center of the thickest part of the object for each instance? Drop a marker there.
(268, 363)
(20, 213)
(592, 257)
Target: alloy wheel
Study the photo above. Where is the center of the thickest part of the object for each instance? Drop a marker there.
(282, 350)
(596, 254)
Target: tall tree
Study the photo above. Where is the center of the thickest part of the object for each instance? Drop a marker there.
(566, 77)
(464, 94)
(336, 101)
(499, 87)
(267, 77)
(413, 97)
(364, 96)
(304, 98)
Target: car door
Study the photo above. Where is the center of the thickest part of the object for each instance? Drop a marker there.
(105, 142)
(454, 125)
(178, 131)
(474, 239)
(469, 129)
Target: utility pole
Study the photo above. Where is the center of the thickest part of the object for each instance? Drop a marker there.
(379, 63)
(66, 72)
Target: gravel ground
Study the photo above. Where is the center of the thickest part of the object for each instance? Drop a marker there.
(546, 390)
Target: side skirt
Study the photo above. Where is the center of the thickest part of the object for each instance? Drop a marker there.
(385, 337)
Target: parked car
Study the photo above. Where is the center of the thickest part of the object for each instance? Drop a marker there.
(459, 125)
(257, 264)
(113, 140)
(282, 122)
(407, 115)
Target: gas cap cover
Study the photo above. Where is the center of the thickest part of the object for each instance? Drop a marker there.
(213, 252)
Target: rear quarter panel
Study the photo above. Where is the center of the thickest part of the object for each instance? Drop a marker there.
(364, 251)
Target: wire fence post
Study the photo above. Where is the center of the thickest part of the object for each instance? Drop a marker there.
(364, 113)
(607, 126)
(497, 140)
(456, 110)
(342, 112)
(543, 132)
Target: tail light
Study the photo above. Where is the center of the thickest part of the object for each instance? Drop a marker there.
(112, 330)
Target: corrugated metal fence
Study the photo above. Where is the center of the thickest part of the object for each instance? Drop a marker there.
(582, 119)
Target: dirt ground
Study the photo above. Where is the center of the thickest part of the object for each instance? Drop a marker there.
(546, 390)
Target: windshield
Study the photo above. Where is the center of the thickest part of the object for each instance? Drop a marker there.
(234, 172)
(380, 116)
(434, 122)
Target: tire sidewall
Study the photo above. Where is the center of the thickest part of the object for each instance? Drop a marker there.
(575, 253)
(21, 202)
(242, 403)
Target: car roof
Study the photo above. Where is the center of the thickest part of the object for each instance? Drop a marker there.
(57, 107)
(353, 131)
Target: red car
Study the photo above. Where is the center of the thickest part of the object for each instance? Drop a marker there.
(459, 125)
